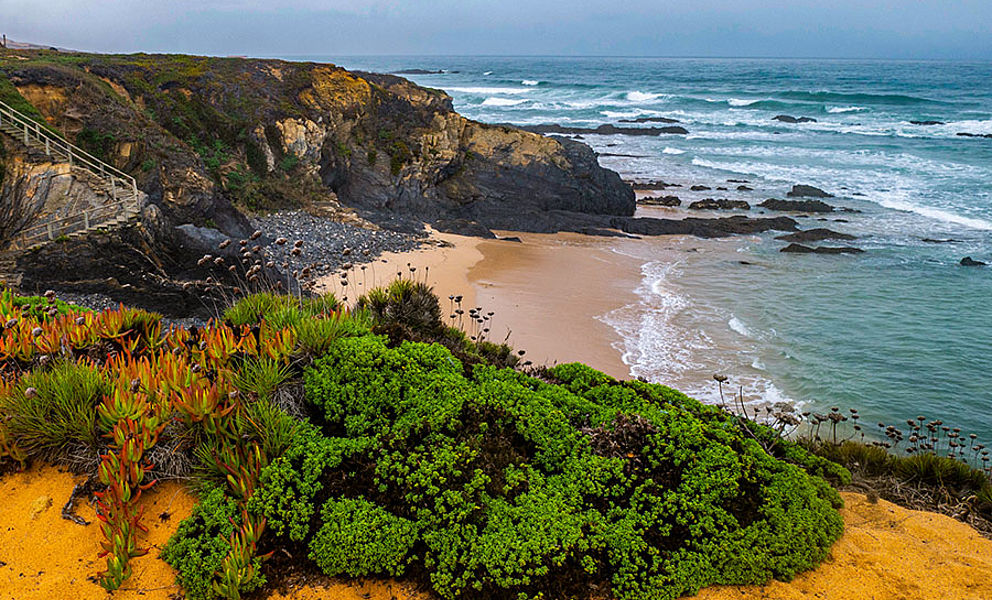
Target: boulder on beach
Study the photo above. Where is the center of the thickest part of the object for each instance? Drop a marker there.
(651, 185)
(791, 119)
(801, 249)
(815, 206)
(721, 204)
(807, 191)
(815, 235)
(970, 262)
(662, 201)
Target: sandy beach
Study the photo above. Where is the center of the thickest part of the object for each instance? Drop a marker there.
(546, 291)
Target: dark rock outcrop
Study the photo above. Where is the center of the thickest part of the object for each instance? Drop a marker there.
(662, 201)
(744, 188)
(652, 185)
(607, 129)
(705, 228)
(650, 120)
(976, 135)
(721, 204)
(807, 191)
(815, 206)
(800, 249)
(927, 122)
(815, 235)
(700, 188)
(791, 119)
(970, 262)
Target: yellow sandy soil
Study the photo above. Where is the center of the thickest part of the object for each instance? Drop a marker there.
(886, 553)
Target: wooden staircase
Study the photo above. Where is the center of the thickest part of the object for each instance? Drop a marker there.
(123, 205)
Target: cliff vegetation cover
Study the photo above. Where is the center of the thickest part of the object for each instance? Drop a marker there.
(376, 441)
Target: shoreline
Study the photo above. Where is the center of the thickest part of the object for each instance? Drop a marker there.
(542, 303)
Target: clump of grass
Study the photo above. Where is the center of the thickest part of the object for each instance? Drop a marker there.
(404, 303)
(54, 411)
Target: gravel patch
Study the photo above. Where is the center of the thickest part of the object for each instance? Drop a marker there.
(326, 245)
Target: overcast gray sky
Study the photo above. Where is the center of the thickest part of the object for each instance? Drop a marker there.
(786, 28)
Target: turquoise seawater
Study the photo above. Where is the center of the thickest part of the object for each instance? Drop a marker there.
(898, 331)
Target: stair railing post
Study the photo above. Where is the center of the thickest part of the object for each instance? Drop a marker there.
(113, 187)
(26, 130)
(48, 147)
(50, 236)
(86, 219)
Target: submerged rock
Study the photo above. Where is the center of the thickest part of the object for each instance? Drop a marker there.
(721, 204)
(815, 235)
(815, 206)
(607, 129)
(800, 249)
(700, 188)
(970, 262)
(650, 120)
(927, 122)
(976, 135)
(791, 119)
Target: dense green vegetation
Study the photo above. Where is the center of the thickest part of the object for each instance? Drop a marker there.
(377, 441)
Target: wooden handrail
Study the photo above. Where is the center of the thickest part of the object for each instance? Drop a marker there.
(29, 130)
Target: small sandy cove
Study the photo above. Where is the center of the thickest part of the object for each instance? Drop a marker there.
(546, 291)
(886, 553)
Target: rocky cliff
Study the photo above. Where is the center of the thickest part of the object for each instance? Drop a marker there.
(211, 140)
(203, 134)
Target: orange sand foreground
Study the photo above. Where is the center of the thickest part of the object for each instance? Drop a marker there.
(886, 553)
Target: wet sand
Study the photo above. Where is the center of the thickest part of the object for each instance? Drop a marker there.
(546, 292)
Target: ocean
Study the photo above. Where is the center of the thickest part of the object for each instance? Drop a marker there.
(899, 331)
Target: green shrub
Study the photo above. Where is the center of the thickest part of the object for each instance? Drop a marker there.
(519, 486)
(289, 485)
(359, 538)
(55, 410)
(201, 542)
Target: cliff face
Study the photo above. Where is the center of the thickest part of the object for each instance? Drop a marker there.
(204, 135)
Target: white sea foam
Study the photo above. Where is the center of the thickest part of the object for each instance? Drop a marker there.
(488, 73)
(636, 96)
(487, 91)
(503, 101)
(662, 342)
(529, 82)
(739, 326)
(670, 150)
(739, 102)
(938, 214)
(845, 109)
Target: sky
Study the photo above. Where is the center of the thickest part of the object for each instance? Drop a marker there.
(926, 29)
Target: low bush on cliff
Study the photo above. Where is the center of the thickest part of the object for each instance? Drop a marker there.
(493, 482)
(381, 442)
